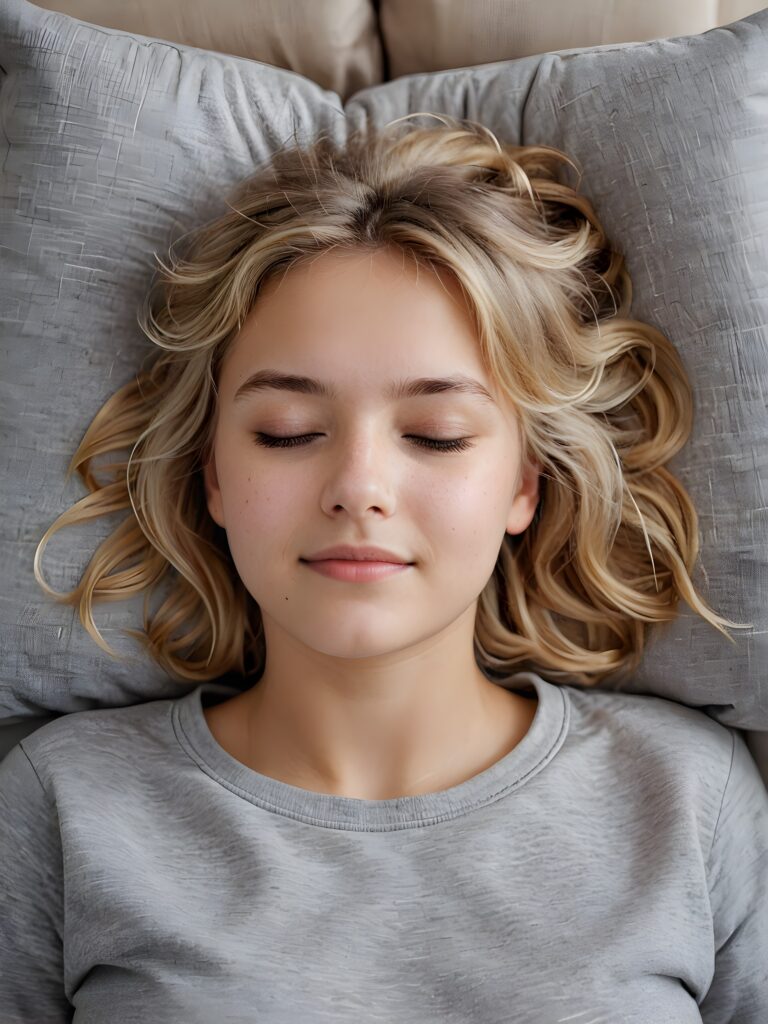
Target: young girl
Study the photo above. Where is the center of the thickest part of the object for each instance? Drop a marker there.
(400, 460)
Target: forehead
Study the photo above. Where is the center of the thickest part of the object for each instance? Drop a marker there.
(346, 312)
(385, 270)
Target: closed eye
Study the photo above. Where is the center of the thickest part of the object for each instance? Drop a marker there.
(453, 445)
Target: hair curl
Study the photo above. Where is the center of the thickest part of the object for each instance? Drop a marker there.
(603, 402)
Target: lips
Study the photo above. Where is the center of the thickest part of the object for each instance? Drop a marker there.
(362, 553)
(351, 570)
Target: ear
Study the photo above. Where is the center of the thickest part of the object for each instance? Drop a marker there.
(523, 507)
(212, 489)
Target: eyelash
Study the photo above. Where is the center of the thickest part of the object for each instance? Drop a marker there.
(270, 441)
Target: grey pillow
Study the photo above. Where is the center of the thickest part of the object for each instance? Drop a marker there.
(113, 145)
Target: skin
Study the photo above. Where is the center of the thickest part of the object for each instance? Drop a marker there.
(371, 690)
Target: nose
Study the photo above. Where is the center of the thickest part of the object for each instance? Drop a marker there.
(359, 478)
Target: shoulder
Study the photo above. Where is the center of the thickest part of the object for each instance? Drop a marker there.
(654, 725)
(87, 744)
(674, 751)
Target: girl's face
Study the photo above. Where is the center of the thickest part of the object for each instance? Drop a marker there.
(360, 325)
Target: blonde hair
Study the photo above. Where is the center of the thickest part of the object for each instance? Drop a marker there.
(603, 402)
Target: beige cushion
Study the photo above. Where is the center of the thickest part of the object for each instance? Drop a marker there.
(337, 43)
(333, 42)
(434, 35)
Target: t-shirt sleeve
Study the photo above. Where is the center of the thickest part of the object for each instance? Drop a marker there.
(31, 899)
(738, 884)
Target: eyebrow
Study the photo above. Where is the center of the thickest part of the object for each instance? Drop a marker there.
(457, 383)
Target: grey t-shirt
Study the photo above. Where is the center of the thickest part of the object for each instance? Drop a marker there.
(612, 868)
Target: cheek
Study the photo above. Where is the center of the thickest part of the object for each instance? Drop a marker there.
(253, 498)
(464, 513)
(259, 502)
(261, 510)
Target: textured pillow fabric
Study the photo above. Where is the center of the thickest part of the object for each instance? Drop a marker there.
(672, 139)
(114, 145)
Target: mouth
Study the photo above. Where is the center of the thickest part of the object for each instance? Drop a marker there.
(356, 554)
(355, 570)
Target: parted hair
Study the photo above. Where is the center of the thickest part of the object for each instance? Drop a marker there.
(603, 402)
